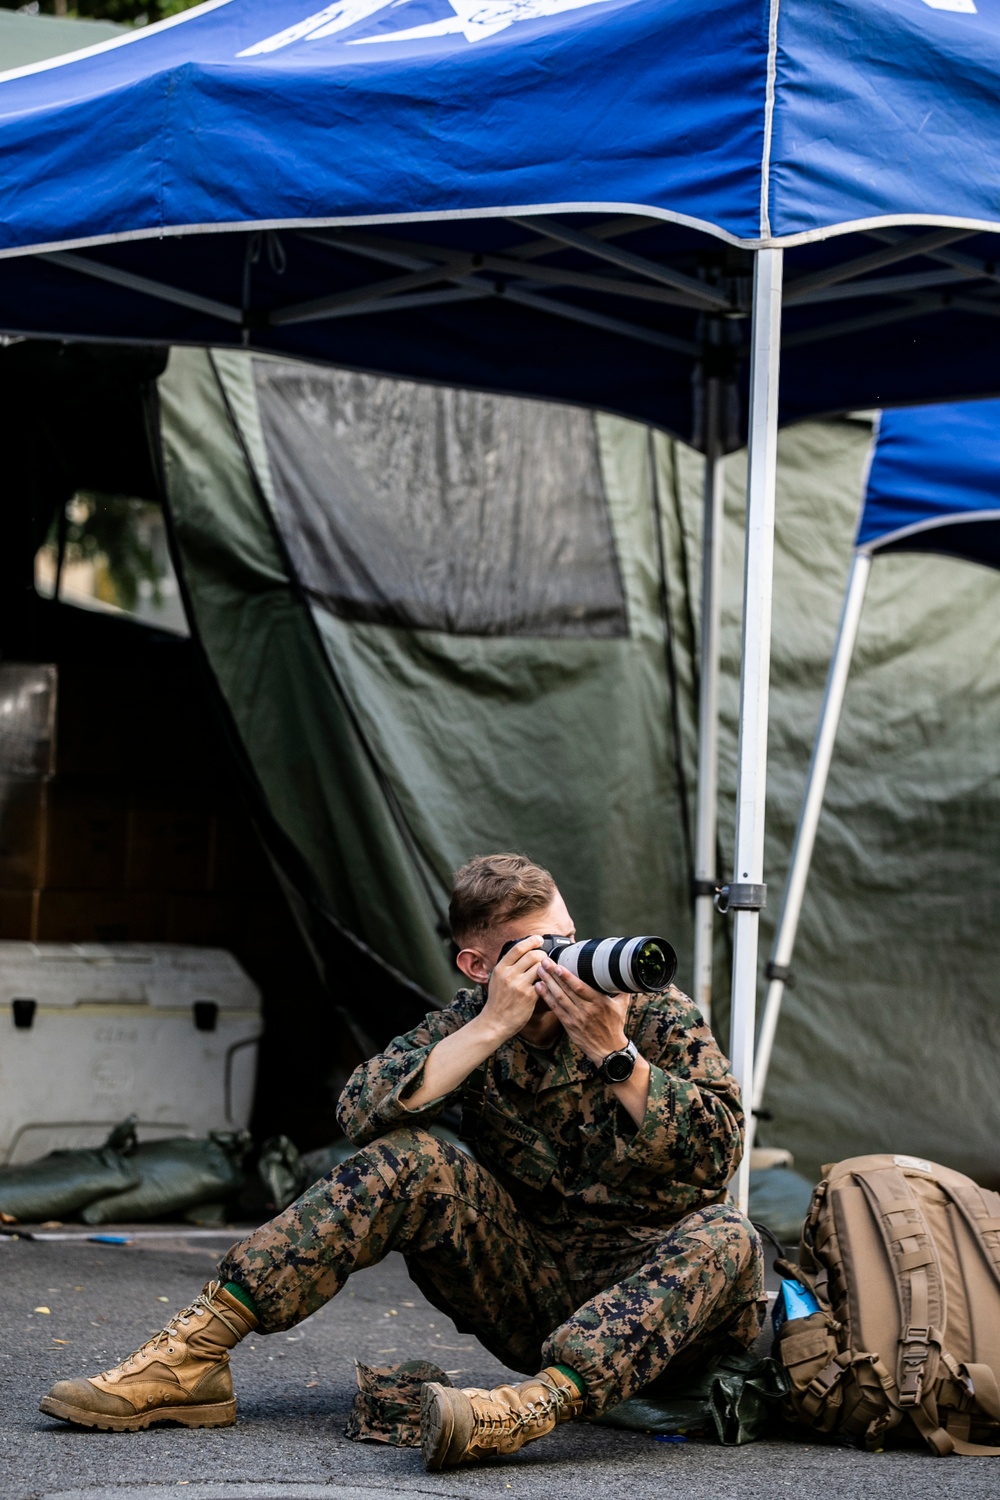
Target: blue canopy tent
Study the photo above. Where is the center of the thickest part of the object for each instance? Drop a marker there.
(933, 486)
(586, 200)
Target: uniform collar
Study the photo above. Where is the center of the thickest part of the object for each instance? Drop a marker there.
(566, 1066)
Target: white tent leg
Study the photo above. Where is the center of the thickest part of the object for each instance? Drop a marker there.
(751, 776)
(708, 706)
(812, 806)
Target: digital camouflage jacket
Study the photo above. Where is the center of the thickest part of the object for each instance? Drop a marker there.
(552, 1131)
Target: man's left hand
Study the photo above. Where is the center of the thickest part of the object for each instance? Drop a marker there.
(593, 1021)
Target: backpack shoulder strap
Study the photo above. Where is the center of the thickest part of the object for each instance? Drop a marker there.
(980, 1208)
(919, 1280)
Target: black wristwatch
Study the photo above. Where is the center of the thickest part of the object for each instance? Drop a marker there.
(619, 1066)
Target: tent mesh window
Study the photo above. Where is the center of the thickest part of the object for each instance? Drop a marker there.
(438, 509)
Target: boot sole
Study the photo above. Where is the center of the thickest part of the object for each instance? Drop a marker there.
(218, 1414)
(437, 1427)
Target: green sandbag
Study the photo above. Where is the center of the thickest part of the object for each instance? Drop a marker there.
(176, 1175)
(57, 1186)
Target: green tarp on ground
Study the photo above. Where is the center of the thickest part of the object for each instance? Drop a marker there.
(444, 623)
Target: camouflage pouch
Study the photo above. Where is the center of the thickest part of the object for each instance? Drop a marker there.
(387, 1406)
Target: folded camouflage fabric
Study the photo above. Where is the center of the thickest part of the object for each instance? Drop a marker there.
(732, 1400)
(387, 1406)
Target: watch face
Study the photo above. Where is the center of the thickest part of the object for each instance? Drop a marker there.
(618, 1067)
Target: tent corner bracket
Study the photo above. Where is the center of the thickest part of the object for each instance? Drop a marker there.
(741, 896)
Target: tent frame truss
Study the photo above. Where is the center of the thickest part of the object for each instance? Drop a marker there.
(439, 274)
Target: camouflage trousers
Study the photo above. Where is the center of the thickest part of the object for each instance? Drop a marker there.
(614, 1305)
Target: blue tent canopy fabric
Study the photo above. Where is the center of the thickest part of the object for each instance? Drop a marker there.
(543, 197)
(438, 107)
(934, 483)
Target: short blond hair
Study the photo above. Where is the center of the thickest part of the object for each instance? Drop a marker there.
(493, 889)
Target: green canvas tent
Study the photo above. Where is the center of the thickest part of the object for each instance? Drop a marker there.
(444, 622)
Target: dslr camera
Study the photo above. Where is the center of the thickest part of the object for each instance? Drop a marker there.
(615, 966)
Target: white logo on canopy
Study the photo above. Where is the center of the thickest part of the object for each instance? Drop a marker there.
(474, 19)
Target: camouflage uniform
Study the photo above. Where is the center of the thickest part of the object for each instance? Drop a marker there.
(575, 1238)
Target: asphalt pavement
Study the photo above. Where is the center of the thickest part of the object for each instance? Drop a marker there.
(295, 1390)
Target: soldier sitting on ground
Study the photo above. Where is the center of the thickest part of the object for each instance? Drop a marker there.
(591, 1239)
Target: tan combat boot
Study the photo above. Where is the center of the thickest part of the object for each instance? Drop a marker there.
(462, 1427)
(181, 1375)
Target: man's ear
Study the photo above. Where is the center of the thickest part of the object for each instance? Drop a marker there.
(473, 965)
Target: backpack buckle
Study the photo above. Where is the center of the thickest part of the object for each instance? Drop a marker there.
(819, 1388)
(913, 1353)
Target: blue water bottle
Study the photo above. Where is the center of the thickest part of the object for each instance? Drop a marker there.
(793, 1301)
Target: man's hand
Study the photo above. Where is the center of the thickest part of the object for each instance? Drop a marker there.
(509, 1004)
(593, 1021)
(511, 997)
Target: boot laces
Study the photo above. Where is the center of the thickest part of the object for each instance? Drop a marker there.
(533, 1412)
(203, 1303)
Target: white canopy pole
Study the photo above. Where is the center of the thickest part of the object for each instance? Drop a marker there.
(812, 806)
(745, 895)
(705, 872)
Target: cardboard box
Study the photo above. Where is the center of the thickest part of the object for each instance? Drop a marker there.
(22, 832)
(94, 709)
(27, 718)
(17, 915)
(86, 834)
(198, 918)
(170, 838)
(239, 865)
(245, 924)
(99, 917)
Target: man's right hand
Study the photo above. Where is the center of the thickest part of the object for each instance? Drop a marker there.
(510, 1001)
(511, 996)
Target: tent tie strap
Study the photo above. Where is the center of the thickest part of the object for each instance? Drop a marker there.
(781, 972)
(705, 887)
(741, 896)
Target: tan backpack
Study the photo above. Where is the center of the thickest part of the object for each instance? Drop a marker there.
(903, 1257)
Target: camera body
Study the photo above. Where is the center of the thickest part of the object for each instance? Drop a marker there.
(615, 966)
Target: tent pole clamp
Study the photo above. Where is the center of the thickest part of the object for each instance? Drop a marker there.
(780, 972)
(702, 887)
(741, 896)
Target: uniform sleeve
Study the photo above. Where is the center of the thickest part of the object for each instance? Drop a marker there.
(693, 1126)
(374, 1100)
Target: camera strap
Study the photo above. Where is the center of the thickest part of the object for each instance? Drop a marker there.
(473, 1101)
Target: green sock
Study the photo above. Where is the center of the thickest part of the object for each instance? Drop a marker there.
(572, 1375)
(242, 1295)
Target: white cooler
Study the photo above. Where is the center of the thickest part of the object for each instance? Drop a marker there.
(93, 1032)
